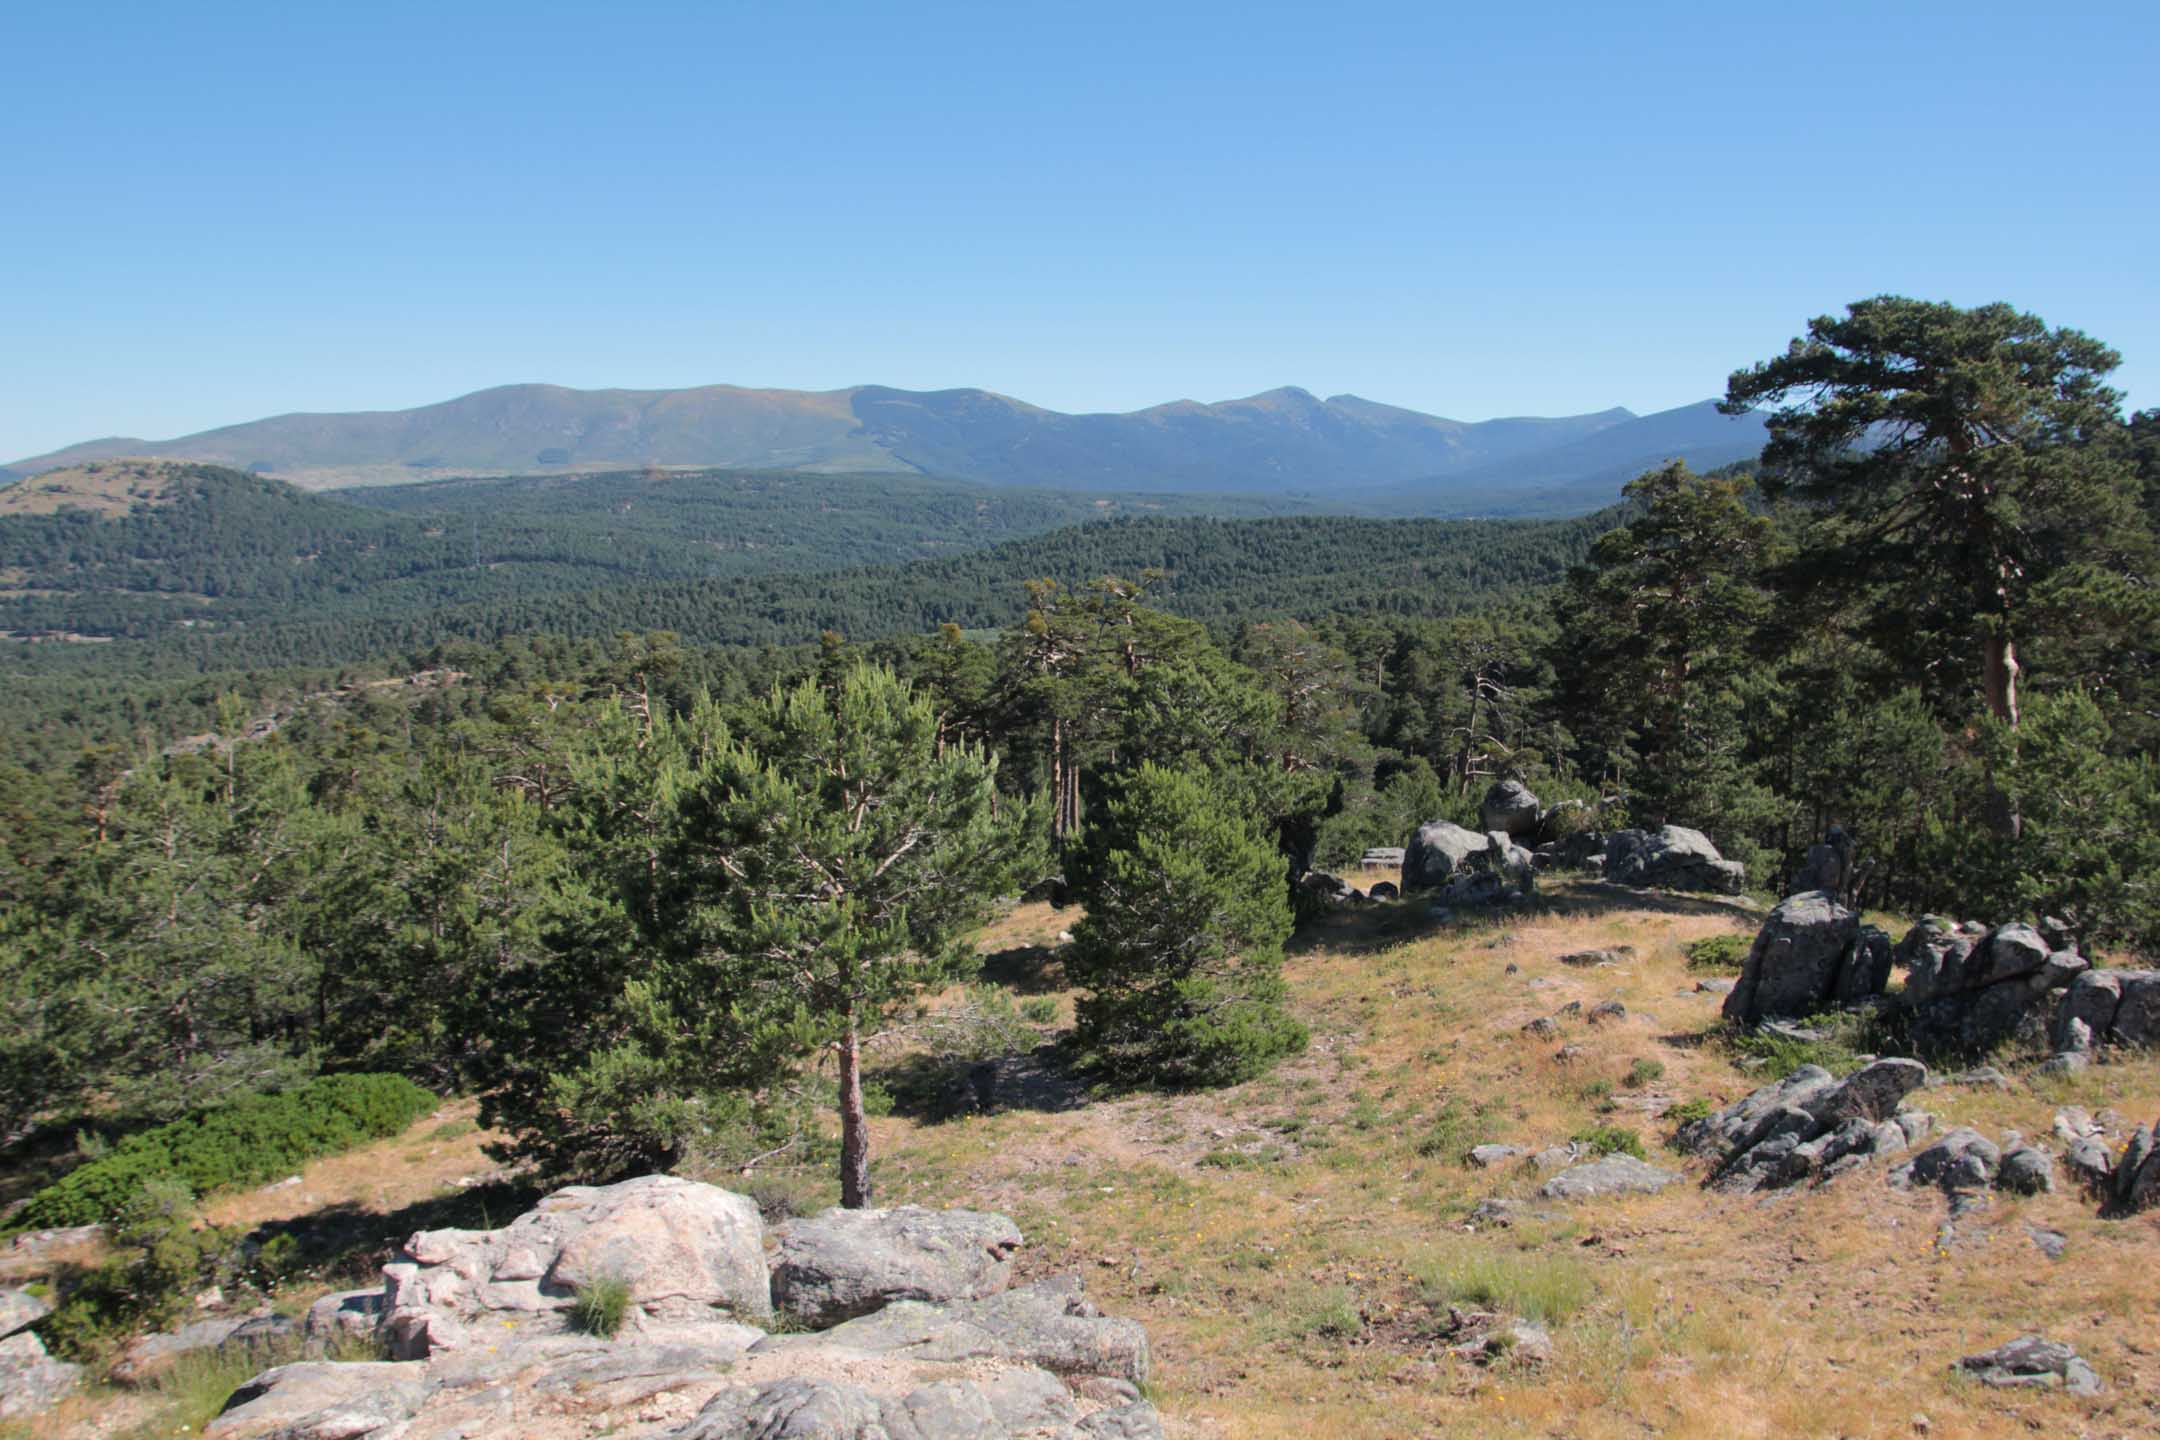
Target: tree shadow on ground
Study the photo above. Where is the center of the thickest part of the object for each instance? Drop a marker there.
(1026, 970)
(1590, 898)
(348, 1238)
(935, 1089)
(1383, 924)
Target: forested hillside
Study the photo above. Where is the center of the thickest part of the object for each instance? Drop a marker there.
(161, 676)
(202, 546)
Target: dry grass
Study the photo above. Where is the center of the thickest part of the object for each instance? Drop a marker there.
(1291, 1242)
(428, 1160)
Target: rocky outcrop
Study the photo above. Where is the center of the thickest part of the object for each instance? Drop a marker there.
(1968, 988)
(1580, 850)
(691, 1254)
(340, 1315)
(1467, 868)
(844, 1263)
(1811, 953)
(1438, 853)
(2032, 1362)
(1511, 808)
(30, 1379)
(1809, 1126)
(1671, 858)
(1972, 989)
(482, 1316)
(147, 1353)
(1320, 889)
(1050, 1324)
(2113, 1007)
(19, 1310)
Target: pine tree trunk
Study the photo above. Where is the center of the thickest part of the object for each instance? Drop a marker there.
(1057, 785)
(854, 1122)
(2002, 700)
(2002, 678)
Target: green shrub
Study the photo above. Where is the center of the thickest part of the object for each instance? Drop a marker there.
(1609, 1140)
(1642, 1072)
(1689, 1111)
(601, 1307)
(1720, 954)
(245, 1142)
(162, 1258)
(1039, 1009)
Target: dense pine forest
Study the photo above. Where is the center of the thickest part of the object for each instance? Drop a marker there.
(641, 864)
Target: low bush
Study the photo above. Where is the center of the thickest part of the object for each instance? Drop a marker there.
(1643, 1072)
(162, 1257)
(245, 1142)
(1689, 1111)
(1720, 954)
(1609, 1140)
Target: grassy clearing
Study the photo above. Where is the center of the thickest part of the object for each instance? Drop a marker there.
(1292, 1243)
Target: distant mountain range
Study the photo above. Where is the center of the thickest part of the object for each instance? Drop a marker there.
(1343, 450)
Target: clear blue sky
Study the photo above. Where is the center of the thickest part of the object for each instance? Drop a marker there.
(215, 212)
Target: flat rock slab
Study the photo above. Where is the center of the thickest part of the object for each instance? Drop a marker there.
(1049, 1324)
(1612, 1175)
(320, 1390)
(844, 1263)
(1588, 959)
(2032, 1361)
(31, 1380)
(19, 1309)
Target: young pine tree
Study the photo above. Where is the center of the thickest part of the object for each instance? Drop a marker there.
(826, 871)
(1181, 947)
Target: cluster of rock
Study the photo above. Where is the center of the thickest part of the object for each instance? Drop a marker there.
(901, 1323)
(1521, 837)
(30, 1379)
(2125, 1179)
(1974, 987)
(1810, 1126)
(1966, 1165)
(1465, 867)
(1968, 987)
(2108, 1007)
(1547, 1027)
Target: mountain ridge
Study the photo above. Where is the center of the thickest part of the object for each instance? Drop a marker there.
(1281, 441)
